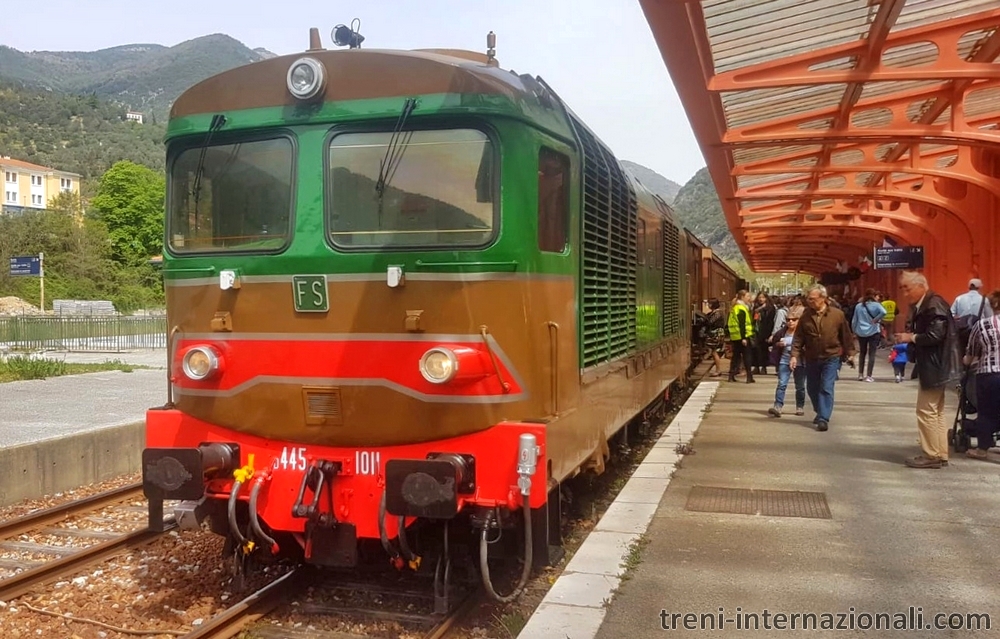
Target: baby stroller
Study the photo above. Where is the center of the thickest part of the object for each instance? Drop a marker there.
(959, 435)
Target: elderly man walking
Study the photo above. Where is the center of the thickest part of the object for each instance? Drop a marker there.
(823, 340)
(972, 302)
(934, 347)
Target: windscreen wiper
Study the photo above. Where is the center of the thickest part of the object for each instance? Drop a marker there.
(394, 150)
(218, 121)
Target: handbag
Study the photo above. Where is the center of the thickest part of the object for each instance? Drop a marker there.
(777, 347)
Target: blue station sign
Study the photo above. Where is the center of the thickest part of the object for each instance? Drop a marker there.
(26, 265)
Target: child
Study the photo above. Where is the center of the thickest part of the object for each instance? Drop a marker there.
(784, 346)
(898, 359)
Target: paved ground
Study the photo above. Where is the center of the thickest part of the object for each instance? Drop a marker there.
(898, 537)
(36, 410)
(153, 357)
(910, 544)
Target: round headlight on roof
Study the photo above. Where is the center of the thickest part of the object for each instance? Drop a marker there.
(306, 78)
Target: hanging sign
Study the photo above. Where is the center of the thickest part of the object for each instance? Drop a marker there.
(894, 257)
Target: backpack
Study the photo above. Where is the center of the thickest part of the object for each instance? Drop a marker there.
(966, 323)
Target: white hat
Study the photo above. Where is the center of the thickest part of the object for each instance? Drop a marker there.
(975, 283)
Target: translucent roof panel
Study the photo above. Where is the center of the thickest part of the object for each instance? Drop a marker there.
(759, 105)
(921, 12)
(745, 33)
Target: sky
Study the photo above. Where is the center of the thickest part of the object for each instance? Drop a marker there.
(602, 61)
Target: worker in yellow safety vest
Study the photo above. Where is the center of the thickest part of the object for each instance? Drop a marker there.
(887, 322)
(741, 335)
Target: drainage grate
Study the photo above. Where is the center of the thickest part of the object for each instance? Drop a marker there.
(748, 501)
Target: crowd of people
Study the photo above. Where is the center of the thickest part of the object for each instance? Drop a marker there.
(807, 338)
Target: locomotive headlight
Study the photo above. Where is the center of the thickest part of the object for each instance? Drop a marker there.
(439, 365)
(306, 78)
(200, 362)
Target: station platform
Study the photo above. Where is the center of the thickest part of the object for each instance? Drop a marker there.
(857, 531)
(63, 432)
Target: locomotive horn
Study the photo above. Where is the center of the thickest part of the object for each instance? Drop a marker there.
(345, 36)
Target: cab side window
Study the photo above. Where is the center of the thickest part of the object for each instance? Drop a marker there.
(553, 200)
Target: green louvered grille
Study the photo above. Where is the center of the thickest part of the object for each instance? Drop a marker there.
(671, 280)
(609, 254)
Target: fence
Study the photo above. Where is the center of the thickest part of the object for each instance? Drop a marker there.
(96, 334)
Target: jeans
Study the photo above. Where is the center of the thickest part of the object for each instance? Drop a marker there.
(800, 385)
(820, 378)
(868, 346)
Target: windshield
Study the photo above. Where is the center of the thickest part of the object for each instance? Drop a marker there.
(424, 188)
(240, 199)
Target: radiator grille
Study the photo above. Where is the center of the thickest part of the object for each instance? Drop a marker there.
(609, 253)
(322, 405)
(671, 280)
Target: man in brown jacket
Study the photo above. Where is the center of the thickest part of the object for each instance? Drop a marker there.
(823, 340)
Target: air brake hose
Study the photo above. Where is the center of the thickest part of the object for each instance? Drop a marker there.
(484, 567)
(233, 498)
(381, 530)
(254, 522)
(404, 545)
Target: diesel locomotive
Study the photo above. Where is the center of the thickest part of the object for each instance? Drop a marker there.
(408, 293)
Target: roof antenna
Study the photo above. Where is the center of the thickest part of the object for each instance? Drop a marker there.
(491, 50)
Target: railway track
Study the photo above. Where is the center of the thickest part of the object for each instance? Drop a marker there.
(70, 558)
(56, 514)
(231, 622)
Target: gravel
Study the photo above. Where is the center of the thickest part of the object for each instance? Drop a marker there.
(32, 505)
(173, 584)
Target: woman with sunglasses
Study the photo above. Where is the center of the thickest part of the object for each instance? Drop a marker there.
(784, 344)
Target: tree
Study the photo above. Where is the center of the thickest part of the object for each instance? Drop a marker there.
(129, 201)
(77, 260)
(68, 203)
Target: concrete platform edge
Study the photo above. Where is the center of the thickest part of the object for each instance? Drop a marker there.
(30, 471)
(575, 606)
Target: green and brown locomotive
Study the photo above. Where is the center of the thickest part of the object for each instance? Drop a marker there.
(406, 290)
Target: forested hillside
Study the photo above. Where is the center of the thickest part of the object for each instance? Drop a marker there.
(142, 77)
(80, 134)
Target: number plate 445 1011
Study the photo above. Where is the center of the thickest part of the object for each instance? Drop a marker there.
(366, 462)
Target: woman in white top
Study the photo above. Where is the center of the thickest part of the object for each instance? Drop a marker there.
(984, 350)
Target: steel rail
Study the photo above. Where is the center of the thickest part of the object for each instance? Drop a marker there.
(229, 623)
(55, 514)
(21, 584)
(442, 627)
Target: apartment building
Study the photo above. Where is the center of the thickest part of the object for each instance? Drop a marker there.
(30, 186)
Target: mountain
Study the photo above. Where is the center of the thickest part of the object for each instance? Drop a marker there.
(697, 204)
(141, 77)
(78, 133)
(667, 189)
